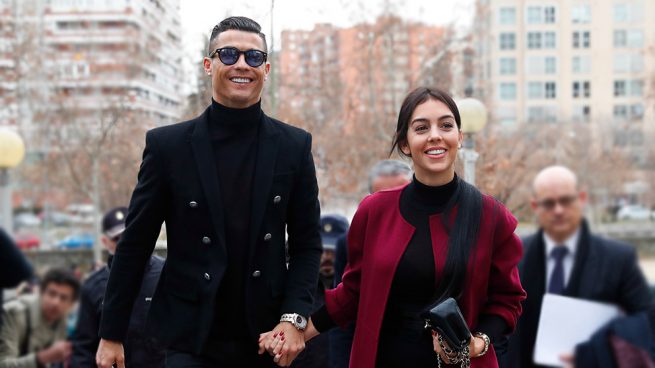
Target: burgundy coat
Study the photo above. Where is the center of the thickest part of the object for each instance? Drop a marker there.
(377, 239)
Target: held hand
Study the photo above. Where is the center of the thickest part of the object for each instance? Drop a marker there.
(285, 343)
(110, 352)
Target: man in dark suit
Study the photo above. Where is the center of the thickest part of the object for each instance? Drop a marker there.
(565, 258)
(140, 350)
(228, 184)
(318, 352)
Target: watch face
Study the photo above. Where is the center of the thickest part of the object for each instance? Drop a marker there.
(299, 320)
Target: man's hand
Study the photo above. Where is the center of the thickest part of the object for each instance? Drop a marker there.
(568, 360)
(110, 352)
(58, 352)
(284, 343)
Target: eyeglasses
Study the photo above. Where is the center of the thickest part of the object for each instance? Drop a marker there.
(551, 203)
(230, 56)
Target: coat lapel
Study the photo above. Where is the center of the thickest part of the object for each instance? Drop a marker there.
(263, 176)
(206, 165)
(533, 272)
(584, 266)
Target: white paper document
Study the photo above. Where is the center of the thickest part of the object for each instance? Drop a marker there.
(566, 322)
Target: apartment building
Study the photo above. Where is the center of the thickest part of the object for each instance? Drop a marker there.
(570, 62)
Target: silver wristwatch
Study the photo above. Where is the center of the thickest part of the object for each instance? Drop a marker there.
(295, 319)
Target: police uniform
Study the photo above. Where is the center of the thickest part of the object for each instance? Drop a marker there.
(140, 349)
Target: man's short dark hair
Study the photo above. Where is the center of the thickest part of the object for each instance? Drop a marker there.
(238, 24)
(61, 277)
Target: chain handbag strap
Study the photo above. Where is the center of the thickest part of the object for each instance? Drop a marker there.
(462, 357)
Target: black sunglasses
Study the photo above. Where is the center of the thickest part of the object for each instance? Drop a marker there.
(550, 203)
(230, 56)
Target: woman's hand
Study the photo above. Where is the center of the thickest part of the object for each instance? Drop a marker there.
(476, 346)
(272, 342)
(446, 357)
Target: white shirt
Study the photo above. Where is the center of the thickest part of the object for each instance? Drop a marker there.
(572, 244)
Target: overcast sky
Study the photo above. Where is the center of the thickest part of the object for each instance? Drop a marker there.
(199, 16)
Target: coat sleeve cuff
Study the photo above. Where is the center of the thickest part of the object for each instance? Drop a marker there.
(322, 320)
(495, 327)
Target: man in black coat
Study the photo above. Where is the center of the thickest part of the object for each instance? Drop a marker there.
(14, 267)
(318, 353)
(565, 258)
(140, 349)
(228, 184)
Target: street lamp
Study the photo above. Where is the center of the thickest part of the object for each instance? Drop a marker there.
(474, 118)
(12, 151)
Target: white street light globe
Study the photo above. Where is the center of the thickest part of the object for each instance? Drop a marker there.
(12, 149)
(473, 114)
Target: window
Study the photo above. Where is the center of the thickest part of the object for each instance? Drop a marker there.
(549, 14)
(551, 90)
(631, 88)
(541, 65)
(550, 65)
(508, 91)
(635, 38)
(619, 88)
(582, 89)
(628, 38)
(621, 112)
(628, 63)
(539, 40)
(581, 39)
(550, 40)
(581, 13)
(636, 88)
(507, 41)
(507, 15)
(538, 90)
(534, 15)
(534, 40)
(629, 112)
(535, 90)
(581, 64)
(541, 114)
(628, 13)
(507, 66)
(637, 111)
(541, 15)
(582, 113)
(620, 38)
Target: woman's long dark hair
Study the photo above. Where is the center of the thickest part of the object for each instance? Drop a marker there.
(464, 230)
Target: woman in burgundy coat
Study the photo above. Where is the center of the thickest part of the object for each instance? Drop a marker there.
(413, 246)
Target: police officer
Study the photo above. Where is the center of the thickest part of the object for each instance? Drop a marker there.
(140, 350)
(317, 352)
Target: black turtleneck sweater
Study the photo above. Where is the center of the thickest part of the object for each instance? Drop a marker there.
(234, 138)
(413, 285)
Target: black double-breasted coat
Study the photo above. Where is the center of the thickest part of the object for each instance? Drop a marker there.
(178, 184)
